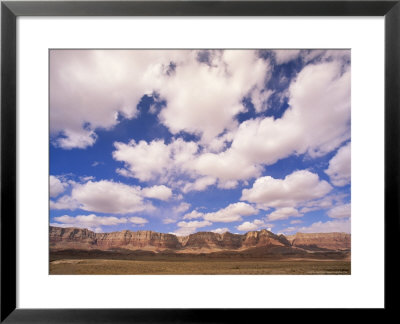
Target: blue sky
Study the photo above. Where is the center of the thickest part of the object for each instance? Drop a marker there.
(200, 140)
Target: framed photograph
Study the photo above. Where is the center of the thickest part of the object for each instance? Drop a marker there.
(162, 158)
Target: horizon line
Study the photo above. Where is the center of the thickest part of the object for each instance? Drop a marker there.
(262, 229)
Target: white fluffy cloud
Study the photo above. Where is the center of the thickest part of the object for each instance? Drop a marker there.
(220, 230)
(110, 197)
(316, 122)
(94, 222)
(194, 224)
(295, 189)
(193, 214)
(341, 211)
(226, 166)
(199, 185)
(64, 202)
(284, 56)
(155, 160)
(283, 213)
(111, 82)
(186, 228)
(251, 226)
(231, 213)
(138, 220)
(329, 226)
(57, 186)
(318, 204)
(158, 192)
(90, 222)
(339, 169)
(217, 91)
(89, 88)
(181, 208)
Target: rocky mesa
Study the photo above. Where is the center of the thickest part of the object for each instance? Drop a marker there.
(200, 242)
(328, 241)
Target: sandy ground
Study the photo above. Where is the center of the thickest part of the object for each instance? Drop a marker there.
(179, 267)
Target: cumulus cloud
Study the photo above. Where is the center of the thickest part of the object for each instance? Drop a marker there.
(231, 213)
(90, 88)
(158, 192)
(94, 229)
(286, 55)
(329, 226)
(295, 189)
(57, 186)
(155, 160)
(107, 197)
(251, 226)
(339, 169)
(181, 208)
(226, 166)
(220, 230)
(283, 213)
(193, 214)
(94, 222)
(319, 100)
(91, 220)
(64, 202)
(166, 163)
(230, 184)
(317, 204)
(341, 211)
(138, 220)
(186, 228)
(217, 91)
(199, 185)
(194, 224)
(316, 122)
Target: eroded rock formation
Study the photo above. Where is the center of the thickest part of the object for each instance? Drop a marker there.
(329, 241)
(77, 238)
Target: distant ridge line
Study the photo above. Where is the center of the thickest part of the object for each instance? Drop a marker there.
(82, 238)
(127, 230)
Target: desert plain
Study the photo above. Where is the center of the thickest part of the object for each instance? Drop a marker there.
(83, 252)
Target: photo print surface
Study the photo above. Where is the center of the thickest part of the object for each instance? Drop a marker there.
(200, 161)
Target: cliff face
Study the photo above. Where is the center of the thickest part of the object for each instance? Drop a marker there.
(330, 241)
(139, 239)
(85, 239)
(214, 240)
(264, 238)
(73, 237)
(77, 238)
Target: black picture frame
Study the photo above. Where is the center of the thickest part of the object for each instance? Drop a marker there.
(10, 10)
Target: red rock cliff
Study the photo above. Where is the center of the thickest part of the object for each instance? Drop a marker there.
(77, 238)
